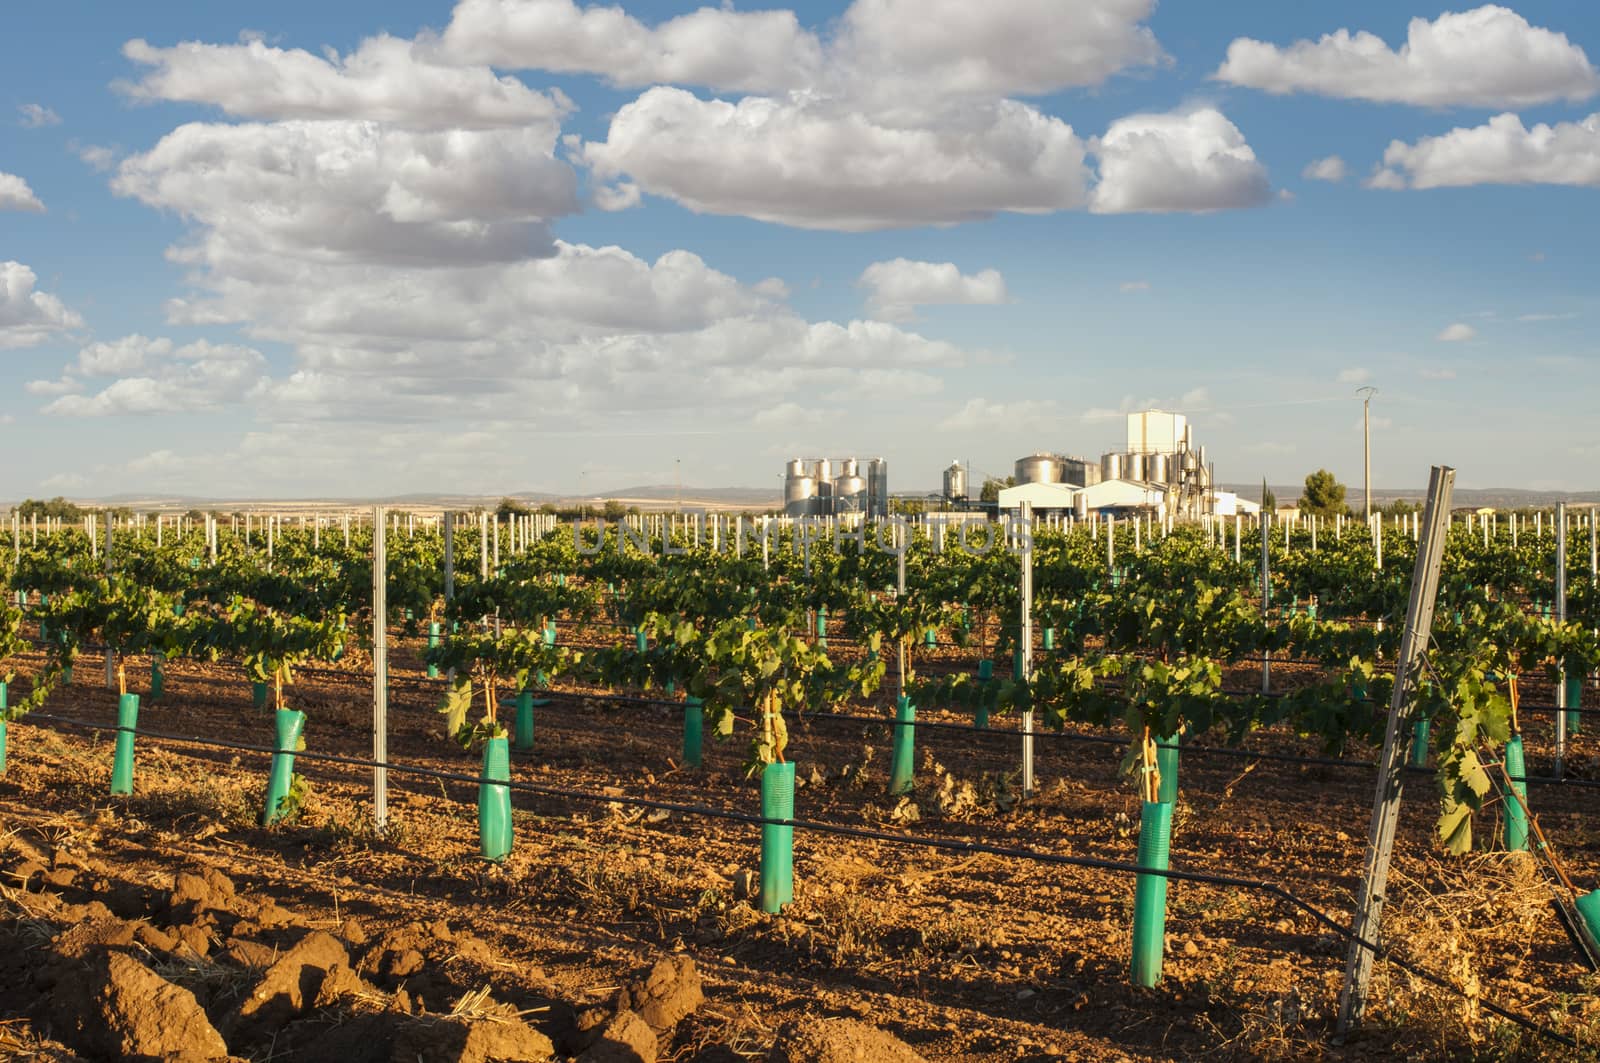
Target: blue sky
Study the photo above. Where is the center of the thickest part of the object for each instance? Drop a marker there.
(529, 245)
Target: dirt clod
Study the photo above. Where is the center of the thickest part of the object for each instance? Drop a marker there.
(626, 1038)
(298, 980)
(838, 1041)
(470, 1040)
(666, 995)
(130, 1012)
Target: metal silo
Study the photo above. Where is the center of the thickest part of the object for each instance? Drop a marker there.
(1133, 467)
(955, 482)
(877, 488)
(1155, 468)
(849, 491)
(1040, 469)
(1111, 467)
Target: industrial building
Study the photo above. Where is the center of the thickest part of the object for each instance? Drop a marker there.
(836, 487)
(1159, 469)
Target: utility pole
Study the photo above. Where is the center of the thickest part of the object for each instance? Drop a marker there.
(1366, 394)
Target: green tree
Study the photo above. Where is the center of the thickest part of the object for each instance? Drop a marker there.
(511, 507)
(614, 510)
(1269, 501)
(992, 488)
(1323, 495)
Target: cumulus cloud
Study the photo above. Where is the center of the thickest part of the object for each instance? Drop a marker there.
(16, 195)
(1023, 47)
(717, 47)
(1192, 160)
(357, 191)
(1457, 333)
(813, 163)
(27, 316)
(36, 116)
(1501, 151)
(1486, 57)
(385, 79)
(99, 157)
(897, 287)
(898, 50)
(1327, 169)
(197, 376)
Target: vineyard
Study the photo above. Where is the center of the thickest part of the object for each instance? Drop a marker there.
(1092, 790)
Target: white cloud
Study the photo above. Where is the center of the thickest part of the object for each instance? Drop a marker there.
(1193, 160)
(1547, 317)
(101, 158)
(905, 49)
(897, 287)
(1355, 375)
(29, 317)
(1487, 57)
(1387, 180)
(64, 386)
(1326, 169)
(122, 356)
(899, 52)
(720, 48)
(385, 79)
(1501, 151)
(623, 196)
(988, 414)
(195, 377)
(36, 116)
(818, 164)
(1457, 333)
(356, 191)
(1133, 286)
(16, 195)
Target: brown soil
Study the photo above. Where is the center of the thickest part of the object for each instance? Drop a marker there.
(322, 939)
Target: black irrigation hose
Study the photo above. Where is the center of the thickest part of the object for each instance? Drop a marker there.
(865, 834)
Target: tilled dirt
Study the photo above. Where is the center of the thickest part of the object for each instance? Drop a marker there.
(614, 932)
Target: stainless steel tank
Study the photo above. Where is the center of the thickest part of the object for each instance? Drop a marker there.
(955, 481)
(1155, 468)
(1111, 467)
(1133, 467)
(877, 488)
(798, 491)
(797, 467)
(847, 467)
(822, 470)
(1040, 469)
(850, 493)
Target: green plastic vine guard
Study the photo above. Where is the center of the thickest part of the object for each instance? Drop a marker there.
(2, 728)
(980, 718)
(1049, 638)
(549, 634)
(1167, 763)
(777, 842)
(494, 802)
(1516, 812)
(822, 626)
(122, 758)
(522, 720)
(1150, 893)
(931, 637)
(694, 727)
(641, 640)
(1574, 696)
(902, 761)
(258, 695)
(1589, 907)
(288, 726)
(433, 644)
(1420, 730)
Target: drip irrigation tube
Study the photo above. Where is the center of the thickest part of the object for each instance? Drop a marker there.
(862, 833)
